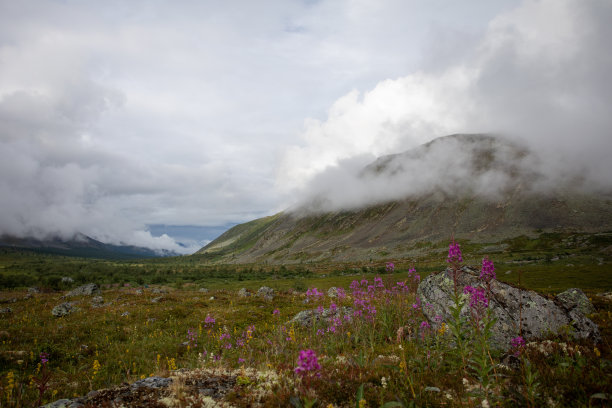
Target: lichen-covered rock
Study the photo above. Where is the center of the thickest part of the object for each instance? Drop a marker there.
(243, 293)
(97, 301)
(307, 318)
(63, 309)
(152, 382)
(266, 293)
(85, 290)
(575, 298)
(332, 292)
(512, 307)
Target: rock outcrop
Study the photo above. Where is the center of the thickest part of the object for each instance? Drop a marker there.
(307, 318)
(85, 290)
(513, 308)
(266, 293)
(63, 309)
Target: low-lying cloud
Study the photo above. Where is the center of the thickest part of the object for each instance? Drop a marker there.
(539, 76)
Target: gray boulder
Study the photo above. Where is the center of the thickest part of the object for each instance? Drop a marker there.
(203, 290)
(6, 310)
(307, 318)
(332, 292)
(266, 293)
(152, 382)
(85, 290)
(575, 299)
(243, 293)
(512, 307)
(97, 301)
(63, 309)
(65, 403)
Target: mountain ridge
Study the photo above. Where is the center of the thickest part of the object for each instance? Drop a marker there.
(80, 245)
(390, 228)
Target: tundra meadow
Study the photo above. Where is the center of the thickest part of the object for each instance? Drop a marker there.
(364, 342)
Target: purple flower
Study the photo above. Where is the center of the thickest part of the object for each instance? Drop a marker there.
(241, 360)
(333, 308)
(487, 273)
(378, 282)
(341, 293)
(425, 325)
(209, 321)
(517, 343)
(44, 358)
(390, 267)
(192, 337)
(478, 298)
(454, 253)
(307, 362)
(276, 312)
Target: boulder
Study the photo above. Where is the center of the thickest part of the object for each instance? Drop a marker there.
(203, 290)
(6, 310)
(307, 318)
(243, 293)
(63, 309)
(575, 299)
(152, 382)
(85, 290)
(97, 301)
(512, 307)
(332, 292)
(266, 293)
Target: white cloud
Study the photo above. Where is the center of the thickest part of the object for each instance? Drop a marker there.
(538, 75)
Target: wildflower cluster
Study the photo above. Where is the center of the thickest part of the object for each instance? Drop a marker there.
(390, 267)
(487, 273)
(308, 363)
(454, 254)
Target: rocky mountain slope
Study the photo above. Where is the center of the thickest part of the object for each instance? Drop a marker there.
(466, 208)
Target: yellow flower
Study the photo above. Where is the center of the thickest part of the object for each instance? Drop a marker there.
(442, 329)
(597, 352)
(362, 403)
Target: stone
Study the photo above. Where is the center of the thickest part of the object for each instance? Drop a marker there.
(152, 382)
(138, 291)
(64, 403)
(332, 292)
(85, 290)
(605, 295)
(307, 318)
(575, 298)
(64, 309)
(157, 299)
(203, 290)
(67, 279)
(266, 293)
(511, 306)
(97, 301)
(6, 310)
(243, 293)
(159, 291)
(33, 290)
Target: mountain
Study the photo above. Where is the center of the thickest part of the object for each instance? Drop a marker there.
(80, 246)
(491, 194)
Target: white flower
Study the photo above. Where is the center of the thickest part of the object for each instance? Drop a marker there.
(383, 382)
(485, 403)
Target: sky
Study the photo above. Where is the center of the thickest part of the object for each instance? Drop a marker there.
(157, 122)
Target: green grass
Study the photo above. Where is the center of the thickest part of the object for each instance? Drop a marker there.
(131, 337)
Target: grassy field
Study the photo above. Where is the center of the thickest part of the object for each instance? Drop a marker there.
(154, 320)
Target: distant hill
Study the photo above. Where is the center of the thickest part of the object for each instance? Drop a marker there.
(81, 246)
(392, 229)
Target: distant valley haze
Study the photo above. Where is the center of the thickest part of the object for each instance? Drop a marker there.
(164, 124)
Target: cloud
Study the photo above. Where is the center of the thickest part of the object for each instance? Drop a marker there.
(538, 76)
